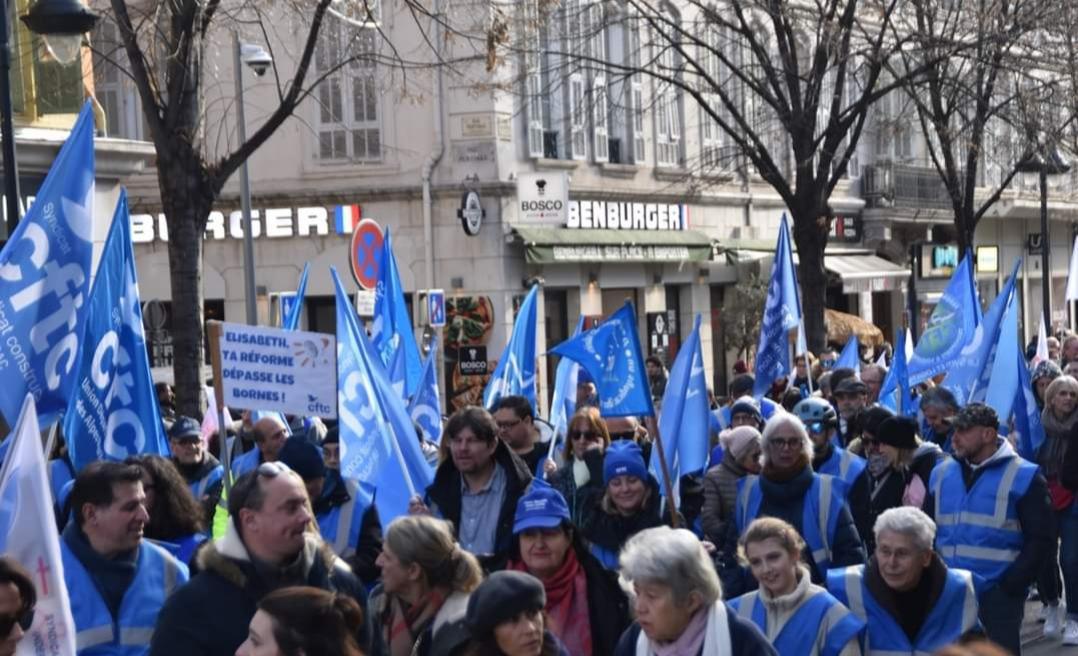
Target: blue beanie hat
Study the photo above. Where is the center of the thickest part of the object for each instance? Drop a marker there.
(541, 507)
(624, 458)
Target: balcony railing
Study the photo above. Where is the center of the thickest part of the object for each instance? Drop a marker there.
(899, 185)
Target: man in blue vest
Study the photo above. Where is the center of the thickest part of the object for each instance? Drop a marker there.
(203, 473)
(117, 581)
(345, 510)
(909, 599)
(269, 437)
(787, 488)
(821, 421)
(994, 518)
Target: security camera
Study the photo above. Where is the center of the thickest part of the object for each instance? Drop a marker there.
(256, 58)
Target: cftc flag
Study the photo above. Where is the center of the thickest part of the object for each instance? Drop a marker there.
(290, 320)
(950, 328)
(782, 313)
(45, 282)
(895, 389)
(851, 355)
(515, 373)
(113, 412)
(392, 327)
(425, 408)
(28, 534)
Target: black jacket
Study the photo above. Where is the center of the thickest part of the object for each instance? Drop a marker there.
(579, 497)
(369, 546)
(1038, 523)
(869, 497)
(194, 473)
(608, 606)
(209, 615)
(444, 497)
(745, 639)
(612, 531)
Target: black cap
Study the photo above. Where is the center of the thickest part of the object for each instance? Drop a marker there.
(850, 386)
(303, 458)
(500, 598)
(899, 432)
(976, 414)
(333, 436)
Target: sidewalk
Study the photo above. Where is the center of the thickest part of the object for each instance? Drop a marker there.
(1033, 641)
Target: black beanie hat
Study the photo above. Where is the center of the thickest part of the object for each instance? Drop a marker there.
(899, 432)
(333, 436)
(502, 597)
(303, 458)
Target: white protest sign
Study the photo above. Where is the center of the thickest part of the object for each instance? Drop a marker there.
(281, 370)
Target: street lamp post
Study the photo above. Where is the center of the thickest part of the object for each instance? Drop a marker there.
(64, 20)
(1054, 164)
(259, 60)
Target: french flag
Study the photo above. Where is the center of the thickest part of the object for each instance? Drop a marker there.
(346, 218)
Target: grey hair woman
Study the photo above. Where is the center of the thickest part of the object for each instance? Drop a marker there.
(678, 600)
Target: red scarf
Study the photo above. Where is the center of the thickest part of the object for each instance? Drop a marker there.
(567, 604)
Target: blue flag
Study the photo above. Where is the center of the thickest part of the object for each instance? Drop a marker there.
(290, 320)
(895, 389)
(515, 373)
(851, 355)
(684, 423)
(563, 403)
(425, 407)
(950, 328)
(45, 283)
(782, 313)
(113, 411)
(610, 353)
(392, 327)
(379, 446)
(1004, 384)
(1028, 429)
(969, 375)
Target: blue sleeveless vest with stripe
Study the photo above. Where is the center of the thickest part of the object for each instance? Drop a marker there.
(340, 526)
(202, 485)
(844, 466)
(804, 633)
(954, 614)
(246, 462)
(978, 529)
(822, 507)
(97, 632)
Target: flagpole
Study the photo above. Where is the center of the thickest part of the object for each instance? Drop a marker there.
(50, 443)
(666, 477)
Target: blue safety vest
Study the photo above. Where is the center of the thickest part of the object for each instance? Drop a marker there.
(844, 466)
(100, 634)
(340, 526)
(246, 462)
(954, 614)
(821, 626)
(978, 529)
(184, 548)
(822, 507)
(200, 487)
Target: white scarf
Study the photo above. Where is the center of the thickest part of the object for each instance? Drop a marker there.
(716, 636)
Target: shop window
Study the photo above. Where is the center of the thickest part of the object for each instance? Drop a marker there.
(348, 118)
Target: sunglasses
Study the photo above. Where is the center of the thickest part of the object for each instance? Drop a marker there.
(816, 427)
(583, 435)
(625, 435)
(8, 622)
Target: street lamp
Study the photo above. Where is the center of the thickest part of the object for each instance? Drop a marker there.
(259, 60)
(61, 23)
(1053, 164)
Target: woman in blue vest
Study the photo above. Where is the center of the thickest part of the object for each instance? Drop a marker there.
(176, 517)
(798, 617)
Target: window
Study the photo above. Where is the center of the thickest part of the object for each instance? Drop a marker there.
(42, 88)
(667, 111)
(599, 95)
(115, 90)
(636, 90)
(533, 79)
(349, 113)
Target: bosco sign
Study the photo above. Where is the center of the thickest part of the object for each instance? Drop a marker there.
(544, 197)
(286, 371)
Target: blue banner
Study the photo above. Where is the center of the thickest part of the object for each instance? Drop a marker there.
(113, 412)
(1003, 383)
(290, 319)
(610, 353)
(1028, 429)
(850, 356)
(45, 283)
(895, 389)
(515, 373)
(566, 379)
(379, 446)
(425, 407)
(950, 328)
(392, 327)
(969, 375)
(782, 313)
(684, 423)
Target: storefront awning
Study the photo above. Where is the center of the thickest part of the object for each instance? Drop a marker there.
(553, 245)
(866, 273)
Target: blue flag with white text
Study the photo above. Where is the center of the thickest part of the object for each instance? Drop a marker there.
(950, 328)
(290, 320)
(113, 412)
(684, 422)
(610, 353)
(563, 402)
(1028, 429)
(515, 373)
(392, 327)
(782, 313)
(378, 443)
(45, 283)
(895, 389)
(850, 356)
(425, 407)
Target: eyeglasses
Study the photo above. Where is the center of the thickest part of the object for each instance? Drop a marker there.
(507, 425)
(786, 443)
(273, 469)
(625, 435)
(25, 620)
(583, 435)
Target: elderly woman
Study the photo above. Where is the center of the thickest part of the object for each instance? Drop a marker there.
(628, 503)
(798, 617)
(586, 608)
(1060, 420)
(506, 618)
(938, 407)
(677, 601)
(787, 488)
(740, 458)
(421, 603)
(909, 599)
(585, 443)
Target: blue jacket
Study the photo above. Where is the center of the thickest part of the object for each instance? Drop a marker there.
(202, 486)
(954, 613)
(100, 634)
(247, 462)
(820, 626)
(843, 465)
(978, 528)
(340, 525)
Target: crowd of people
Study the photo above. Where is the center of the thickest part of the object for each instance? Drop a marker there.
(824, 524)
